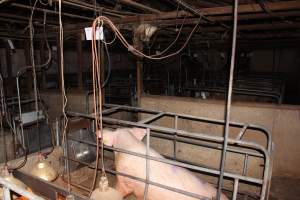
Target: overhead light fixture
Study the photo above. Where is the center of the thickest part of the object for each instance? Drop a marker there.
(145, 31)
(43, 170)
(105, 192)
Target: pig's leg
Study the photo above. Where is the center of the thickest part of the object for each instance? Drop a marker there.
(122, 187)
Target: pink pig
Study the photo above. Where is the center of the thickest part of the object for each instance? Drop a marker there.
(162, 173)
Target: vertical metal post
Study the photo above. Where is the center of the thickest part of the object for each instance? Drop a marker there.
(42, 58)
(28, 61)
(80, 61)
(20, 111)
(245, 164)
(87, 101)
(8, 62)
(6, 193)
(235, 188)
(57, 131)
(67, 164)
(139, 69)
(175, 137)
(228, 105)
(147, 163)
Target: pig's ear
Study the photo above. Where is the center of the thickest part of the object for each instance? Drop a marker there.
(138, 133)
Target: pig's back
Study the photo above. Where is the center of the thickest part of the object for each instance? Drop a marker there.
(162, 173)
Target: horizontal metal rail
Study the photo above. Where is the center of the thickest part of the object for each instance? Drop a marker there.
(248, 92)
(193, 167)
(203, 119)
(9, 186)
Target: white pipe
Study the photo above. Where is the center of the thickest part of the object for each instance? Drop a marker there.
(6, 194)
(7, 186)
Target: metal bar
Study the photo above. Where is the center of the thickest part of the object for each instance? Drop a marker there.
(111, 110)
(147, 164)
(242, 132)
(75, 184)
(6, 193)
(245, 166)
(204, 119)
(79, 60)
(229, 98)
(130, 108)
(20, 112)
(175, 136)
(248, 92)
(152, 118)
(67, 163)
(57, 131)
(7, 186)
(235, 189)
(186, 165)
(170, 131)
(198, 143)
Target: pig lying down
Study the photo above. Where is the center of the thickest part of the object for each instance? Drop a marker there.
(162, 173)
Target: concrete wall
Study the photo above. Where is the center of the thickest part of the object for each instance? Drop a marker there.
(53, 100)
(281, 121)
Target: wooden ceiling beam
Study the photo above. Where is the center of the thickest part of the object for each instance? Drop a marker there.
(256, 27)
(257, 16)
(140, 6)
(51, 11)
(26, 18)
(224, 10)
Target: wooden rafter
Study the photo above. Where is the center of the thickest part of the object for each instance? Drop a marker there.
(224, 10)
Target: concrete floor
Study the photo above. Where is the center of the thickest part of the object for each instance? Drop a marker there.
(281, 189)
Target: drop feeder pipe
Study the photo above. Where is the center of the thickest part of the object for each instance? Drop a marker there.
(229, 99)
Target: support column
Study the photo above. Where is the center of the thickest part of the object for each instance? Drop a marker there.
(8, 62)
(9, 88)
(28, 63)
(139, 69)
(80, 61)
(42, 56)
